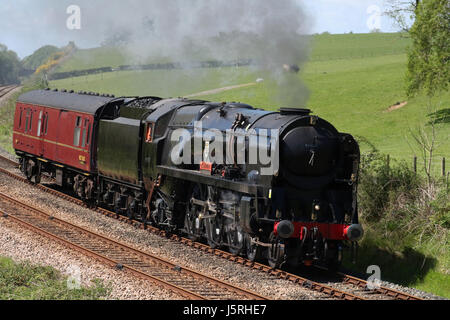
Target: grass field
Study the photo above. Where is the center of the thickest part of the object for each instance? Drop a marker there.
(164, 83)
(353, 79)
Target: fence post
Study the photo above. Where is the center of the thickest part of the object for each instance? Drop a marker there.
(388, 160)
(443, 167)
(415, 164)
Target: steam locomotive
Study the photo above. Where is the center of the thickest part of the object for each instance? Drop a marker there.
(272, 186)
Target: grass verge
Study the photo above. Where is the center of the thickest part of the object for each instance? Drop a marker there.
(24, 281)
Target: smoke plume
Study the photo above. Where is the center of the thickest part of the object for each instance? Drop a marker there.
(270, 33)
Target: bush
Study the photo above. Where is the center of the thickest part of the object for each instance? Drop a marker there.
(402, 209)
(383, 184)
(407, 222)
(39, 57)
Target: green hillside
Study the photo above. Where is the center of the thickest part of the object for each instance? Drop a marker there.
(347, 46)
(93, 58)
(353, 79)
(39, 57)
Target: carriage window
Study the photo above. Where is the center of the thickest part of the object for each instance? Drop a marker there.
(46, 122)
(39, 124)
(27, 120)
(31, 120)
(87, 131)
(86, 123)
(20, 118)
(77, 132)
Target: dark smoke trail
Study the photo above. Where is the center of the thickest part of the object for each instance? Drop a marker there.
(271, 33)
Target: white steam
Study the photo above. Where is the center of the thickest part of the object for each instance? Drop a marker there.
(272, 33)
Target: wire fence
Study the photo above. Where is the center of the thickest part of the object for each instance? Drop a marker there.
(354, 55)
(438, 163)
(438, 167)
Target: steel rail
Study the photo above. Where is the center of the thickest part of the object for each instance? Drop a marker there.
(397, 295)
(228, 256)
(5, 90)
(181, 279)
(10, 161)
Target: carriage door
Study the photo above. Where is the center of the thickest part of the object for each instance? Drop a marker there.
(85, 142)
(40, 132)
(65, 130)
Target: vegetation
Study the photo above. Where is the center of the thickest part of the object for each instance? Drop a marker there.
(93, 58)
(9, 66)
(407, 224)
(429, 56)
(326, 47)
(402, 12)
(429, 72)
(39, 57)
(43, 59)
(23, 281)
(55, 59)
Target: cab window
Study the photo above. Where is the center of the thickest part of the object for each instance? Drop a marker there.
(149, 133)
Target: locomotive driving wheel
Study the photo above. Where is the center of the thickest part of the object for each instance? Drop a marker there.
(130, 208)
(236, 240)
(213, 232)
(193, 224)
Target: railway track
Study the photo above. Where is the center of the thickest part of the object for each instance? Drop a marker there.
(348, 288)
(7, 89)
(185, 282)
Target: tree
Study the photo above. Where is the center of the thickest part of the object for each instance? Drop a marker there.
(428, 67)
(9, 66)
(429, 55)
(402, 11)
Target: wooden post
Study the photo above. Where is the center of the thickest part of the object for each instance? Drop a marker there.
(443, 167)
(415, 164)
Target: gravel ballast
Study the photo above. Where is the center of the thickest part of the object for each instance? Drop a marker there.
(23, 245)
(180, 254)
